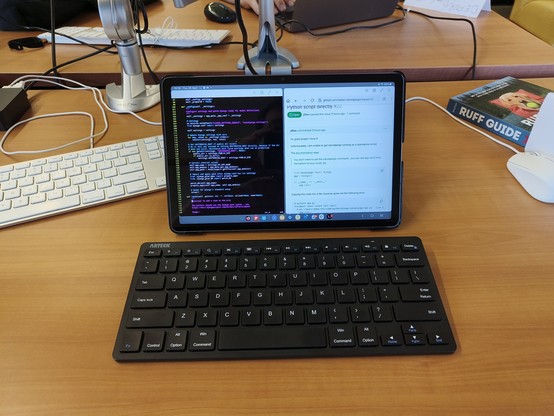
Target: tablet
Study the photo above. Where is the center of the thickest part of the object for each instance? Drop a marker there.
(283, 152)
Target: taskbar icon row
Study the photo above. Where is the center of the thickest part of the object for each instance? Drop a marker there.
(288, 217)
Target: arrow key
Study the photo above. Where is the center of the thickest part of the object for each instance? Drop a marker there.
(414, 339)
(437, 339)
(391, 339)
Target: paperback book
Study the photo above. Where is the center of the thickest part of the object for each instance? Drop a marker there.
(507, 107)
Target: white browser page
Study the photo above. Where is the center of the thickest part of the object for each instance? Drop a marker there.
(338, 149)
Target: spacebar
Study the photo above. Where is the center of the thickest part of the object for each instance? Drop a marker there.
(266, 338)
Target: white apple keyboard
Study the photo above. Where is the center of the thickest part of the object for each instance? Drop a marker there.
(71, 181)
(177, 38)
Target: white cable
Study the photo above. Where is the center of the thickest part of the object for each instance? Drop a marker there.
(25, 78)
(469, 126)
(53, 81)
(98, 98)
(90, 137)
(168, 24)
(152, 123)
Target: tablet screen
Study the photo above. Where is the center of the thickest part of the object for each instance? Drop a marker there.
(274, 152)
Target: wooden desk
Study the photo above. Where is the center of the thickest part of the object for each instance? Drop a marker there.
(64, 281)
(425, 50)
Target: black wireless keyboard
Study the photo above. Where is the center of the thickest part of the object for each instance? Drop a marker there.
(282, 298)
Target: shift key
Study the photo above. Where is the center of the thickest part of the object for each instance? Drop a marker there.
(417, 312)
(150, 319)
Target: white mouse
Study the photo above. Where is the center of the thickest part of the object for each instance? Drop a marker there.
(535, 172)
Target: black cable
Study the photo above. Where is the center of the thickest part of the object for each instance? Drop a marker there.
(210, 45)
(280, 31)
(404, 15)
(143, 53)
(348, 29)
(42, 29)
(53, 69)
(136, 5)
(81, 58)
(244, 38)
(460, 19)
(90, 45)
(72, 61)
(140, 4)
(52, 36)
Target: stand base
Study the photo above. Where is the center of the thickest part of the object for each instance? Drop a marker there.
(281, 63)
(120, 101)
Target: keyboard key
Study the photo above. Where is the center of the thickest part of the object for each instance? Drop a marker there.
(149, 300)
(360, 314)
(128, 178)
(382, 313)
(150, 282)
(153, 341)
(272, 338)
(150, 319)
(202, 340)
(409, 260)
(391, 339)
(93, 196)
(341, 337)
(414, 339)
(185, 318)
(417, 294)
(416, 312)
(437, 339)
(130, 341)
(367, 336)
(5, 205)
(176, 341)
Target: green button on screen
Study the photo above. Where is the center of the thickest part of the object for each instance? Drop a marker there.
(294, 114)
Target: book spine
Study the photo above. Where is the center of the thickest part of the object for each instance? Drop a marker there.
(487, 122)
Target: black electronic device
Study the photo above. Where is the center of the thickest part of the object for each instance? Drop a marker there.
(219, 12)
(13, 104)
(336, 297)
(317, 14)
(276, 152)
(31, 42)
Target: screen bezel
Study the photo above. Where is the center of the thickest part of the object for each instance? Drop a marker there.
(176, 226)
